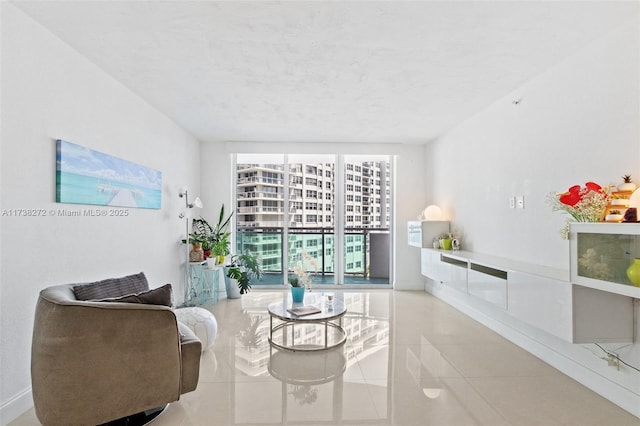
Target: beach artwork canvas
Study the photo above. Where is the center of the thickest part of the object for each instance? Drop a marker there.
(85, 176)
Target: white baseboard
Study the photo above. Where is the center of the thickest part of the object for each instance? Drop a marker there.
(15, 407)
(561, 355)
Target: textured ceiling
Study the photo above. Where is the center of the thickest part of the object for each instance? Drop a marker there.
(325, 71)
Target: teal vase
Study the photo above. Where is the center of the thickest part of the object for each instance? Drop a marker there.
(633, 272)
(297, 294)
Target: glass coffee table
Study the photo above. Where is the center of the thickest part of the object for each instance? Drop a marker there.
(313, 332)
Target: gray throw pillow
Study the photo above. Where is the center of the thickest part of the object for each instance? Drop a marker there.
(112, 287)
(158, 296)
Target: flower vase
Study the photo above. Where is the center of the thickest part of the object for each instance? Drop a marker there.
(633, 272)
(446, 243)
(297, 294)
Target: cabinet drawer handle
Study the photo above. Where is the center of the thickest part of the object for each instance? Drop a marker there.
(452, 261)
(489, 271)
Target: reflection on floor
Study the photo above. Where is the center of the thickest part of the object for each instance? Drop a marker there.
(410, 360)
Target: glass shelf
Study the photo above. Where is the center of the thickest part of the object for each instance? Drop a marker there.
(606, 256)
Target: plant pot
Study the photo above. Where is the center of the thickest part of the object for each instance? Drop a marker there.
(624, 187)
(231, 286)
(196, 254)
(297, 294)
(445, 243)
(613, 217)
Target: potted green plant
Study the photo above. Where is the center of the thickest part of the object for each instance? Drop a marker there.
(221, 248)
(297, 289)
(614, 216)
(627, 184)
(196, 254)
(446, 239)
(214, 234)
(203, 231)
(241, 270)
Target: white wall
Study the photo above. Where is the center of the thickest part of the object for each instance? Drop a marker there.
(577, 122)
(409, 191)
(49, 91)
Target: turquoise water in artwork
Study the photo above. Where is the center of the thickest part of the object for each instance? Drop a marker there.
(78, 189)
(85, 176)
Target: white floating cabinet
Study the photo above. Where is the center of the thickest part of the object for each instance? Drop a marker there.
(488, 283)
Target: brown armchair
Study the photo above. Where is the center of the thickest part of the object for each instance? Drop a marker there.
(93, 362)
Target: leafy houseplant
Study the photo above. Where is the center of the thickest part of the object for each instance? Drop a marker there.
(221, 249)
(295, 282)
(213, 236)
(220, 230)
(196, 254)
(243, 268)
(202, 231)
(196, 239)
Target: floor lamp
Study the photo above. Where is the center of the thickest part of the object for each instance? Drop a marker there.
(186, 215)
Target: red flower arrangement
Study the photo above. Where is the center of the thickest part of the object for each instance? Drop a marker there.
(584, 203)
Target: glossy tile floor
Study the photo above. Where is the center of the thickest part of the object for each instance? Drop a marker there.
(410, 359)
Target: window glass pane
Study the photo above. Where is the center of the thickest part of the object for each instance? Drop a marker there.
(260, 211)
(367, 233)
(311, 217)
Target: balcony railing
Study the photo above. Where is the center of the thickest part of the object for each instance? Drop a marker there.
(362, 247)
(260, 179)
(260, 209)
(259, 194)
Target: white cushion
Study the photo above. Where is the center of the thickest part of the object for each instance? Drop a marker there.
(202, 322)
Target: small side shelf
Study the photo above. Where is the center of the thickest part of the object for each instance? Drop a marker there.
(619, 202)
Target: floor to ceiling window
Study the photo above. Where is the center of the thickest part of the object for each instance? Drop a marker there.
(292, 209)
(311, 230)
(367, 214)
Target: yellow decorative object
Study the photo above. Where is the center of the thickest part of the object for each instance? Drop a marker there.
(633, 272)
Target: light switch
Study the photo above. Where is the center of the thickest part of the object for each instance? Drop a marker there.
(520, 201)
(512, 202)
